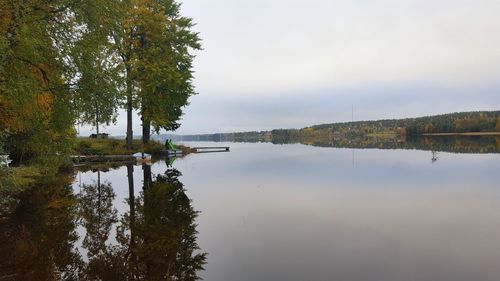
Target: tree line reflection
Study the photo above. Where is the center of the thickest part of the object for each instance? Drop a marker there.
(454, 144)
(155, 239)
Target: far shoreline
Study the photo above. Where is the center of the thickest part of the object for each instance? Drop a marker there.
(464, 134)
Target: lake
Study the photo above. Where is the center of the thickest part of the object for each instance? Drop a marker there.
(265, 212)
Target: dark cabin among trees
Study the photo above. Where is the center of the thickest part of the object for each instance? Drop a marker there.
(99, 136)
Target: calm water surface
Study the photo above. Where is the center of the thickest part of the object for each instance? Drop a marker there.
(295, 212)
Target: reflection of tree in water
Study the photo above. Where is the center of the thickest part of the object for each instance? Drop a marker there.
(156, 237)
(455, 144)
(98, 215)
(37, 237)
(161, 232)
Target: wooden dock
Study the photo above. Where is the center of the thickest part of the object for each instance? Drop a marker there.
(89, 159)
(103, 158)
(211, 149)
(86, 159)
(173, 153)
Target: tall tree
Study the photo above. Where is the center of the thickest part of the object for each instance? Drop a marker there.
(122, 27)
(154, 43)
(97, 89)
(34, 95)
(165, 64)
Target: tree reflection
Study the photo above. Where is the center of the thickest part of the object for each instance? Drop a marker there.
(455, 144)
(160, 233)
(98, 216)
(155, 240)
(37, 238)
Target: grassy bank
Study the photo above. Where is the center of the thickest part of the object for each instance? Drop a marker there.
(88, 146)
(17, 178)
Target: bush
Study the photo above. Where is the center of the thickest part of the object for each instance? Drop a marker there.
(114, 144)
(85, 147)
(84, 144)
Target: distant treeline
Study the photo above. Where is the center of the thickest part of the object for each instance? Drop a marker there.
(455, 144)
(463, 122)
(263, 136)
(386, 134)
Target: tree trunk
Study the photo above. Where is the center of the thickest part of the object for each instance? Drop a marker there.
(146, 124)
(97, 121)
(99, 195)
(129, 111)
(146, 131)
(148, 179)
(131, 203)
(131, 194)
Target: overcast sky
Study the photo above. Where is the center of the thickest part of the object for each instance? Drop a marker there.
(288, 64)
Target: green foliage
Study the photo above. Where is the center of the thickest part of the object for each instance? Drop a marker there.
(98, 73)
(154, 43)
(63, 60)
(3, 136)
(165, 63)
(281, 136)
(35, 102)
(263, 136)
(484, 121)
(97, 96)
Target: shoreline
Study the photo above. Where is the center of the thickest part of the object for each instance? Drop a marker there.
(464, 134)
(87, 150)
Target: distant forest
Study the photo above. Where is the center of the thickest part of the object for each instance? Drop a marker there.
(462, 122)
(406, 133)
